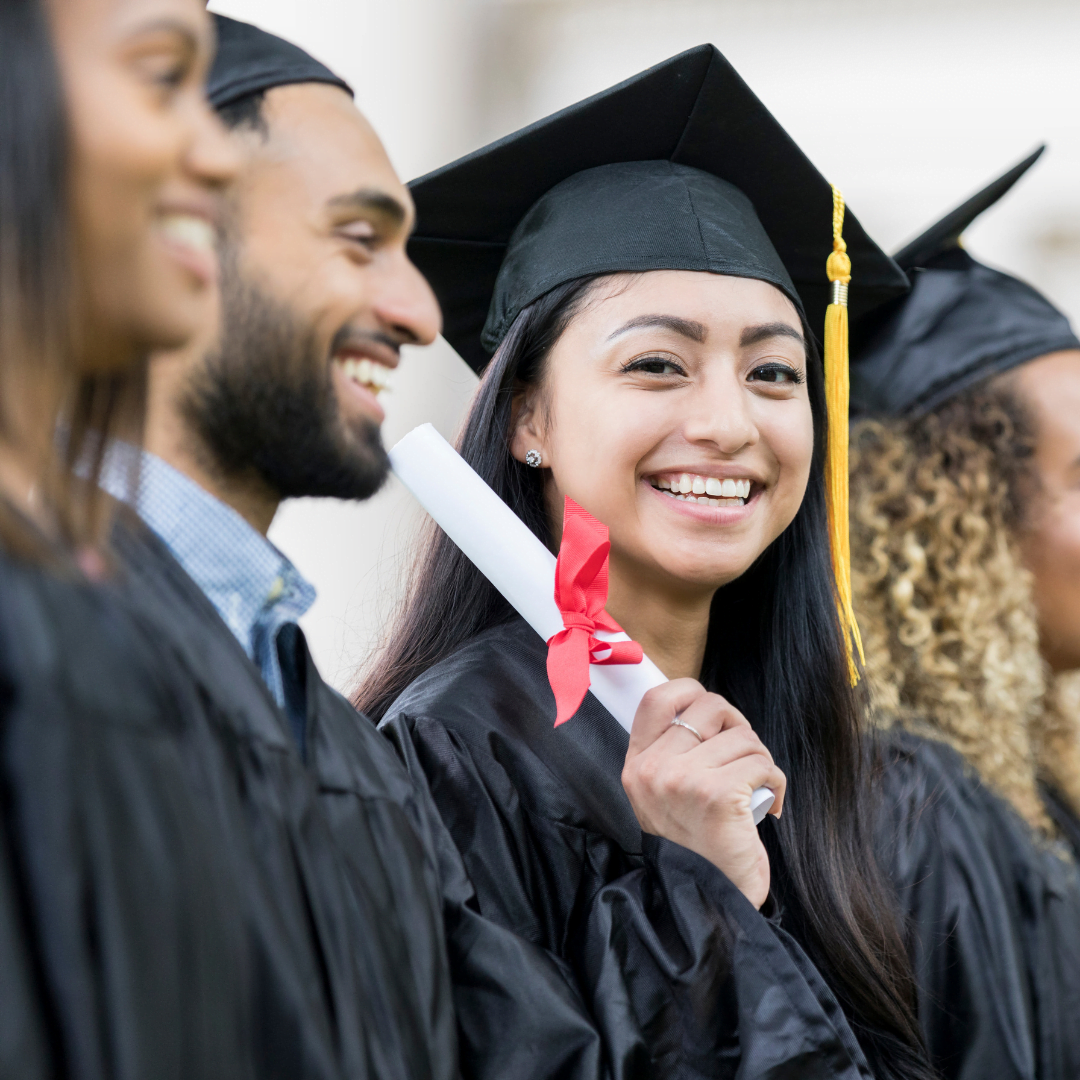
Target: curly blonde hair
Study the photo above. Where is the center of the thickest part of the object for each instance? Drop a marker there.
(944, 602)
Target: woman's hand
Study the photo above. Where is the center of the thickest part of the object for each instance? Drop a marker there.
(697, 794)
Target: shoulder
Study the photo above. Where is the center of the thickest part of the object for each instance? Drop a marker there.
(482, 720)
(348, 754)
(64, 640)
(935, 810)
(496, 681)
(918, 771)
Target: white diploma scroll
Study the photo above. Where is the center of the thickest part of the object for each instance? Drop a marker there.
(505, 551)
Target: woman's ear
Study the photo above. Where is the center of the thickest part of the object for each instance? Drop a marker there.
(525, 426)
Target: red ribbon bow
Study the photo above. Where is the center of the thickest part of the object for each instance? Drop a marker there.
(581, 589)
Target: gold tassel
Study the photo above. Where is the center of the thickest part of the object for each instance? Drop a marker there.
(838, 269)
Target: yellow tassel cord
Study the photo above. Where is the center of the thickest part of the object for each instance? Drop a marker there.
(838, 269)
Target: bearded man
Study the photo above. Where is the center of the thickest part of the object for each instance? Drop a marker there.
(374, 958)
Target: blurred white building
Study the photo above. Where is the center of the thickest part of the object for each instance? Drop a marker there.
(907, 105)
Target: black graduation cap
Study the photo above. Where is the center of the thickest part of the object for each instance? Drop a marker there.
(250, 60)
(680, 167)
(962, 322)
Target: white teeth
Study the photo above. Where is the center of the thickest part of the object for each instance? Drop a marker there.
(681, 498)
(686, 486)
(192, 232)
(367, 373)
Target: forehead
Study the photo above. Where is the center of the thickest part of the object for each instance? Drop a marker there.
(115, 19)
(713, 299)
(319, 136)
(1052, 384)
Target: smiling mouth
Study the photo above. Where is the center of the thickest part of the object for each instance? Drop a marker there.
(372, 376)
(706, 490)
(188, 231)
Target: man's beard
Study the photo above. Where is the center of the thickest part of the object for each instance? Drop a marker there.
(264, 403)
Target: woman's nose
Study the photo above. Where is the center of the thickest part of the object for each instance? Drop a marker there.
(213, 158)
(721, 415)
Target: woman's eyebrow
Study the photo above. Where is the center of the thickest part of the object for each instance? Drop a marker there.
(687, 328)
(167, 25)
(752, 335)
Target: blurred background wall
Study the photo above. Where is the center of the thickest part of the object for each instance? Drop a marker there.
(907, 105)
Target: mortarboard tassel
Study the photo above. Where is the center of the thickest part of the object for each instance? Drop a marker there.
(838, 269)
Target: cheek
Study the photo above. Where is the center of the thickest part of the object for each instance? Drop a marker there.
(596, 442)
(788, 434)
(324, 294)
(1053, 551)
(123, 155)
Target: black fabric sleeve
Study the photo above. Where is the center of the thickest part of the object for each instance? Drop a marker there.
(24, 1047)
(581, 961)
(961, 919)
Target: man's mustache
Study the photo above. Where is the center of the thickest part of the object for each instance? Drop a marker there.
(349, 337)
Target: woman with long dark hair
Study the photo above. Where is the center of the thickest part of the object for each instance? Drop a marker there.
(651, 264)
(120, 948)
(966, 560)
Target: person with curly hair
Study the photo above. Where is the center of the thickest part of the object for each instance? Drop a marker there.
(966, 575)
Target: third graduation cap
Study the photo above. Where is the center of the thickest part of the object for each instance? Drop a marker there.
(962, 322)
(678, 168)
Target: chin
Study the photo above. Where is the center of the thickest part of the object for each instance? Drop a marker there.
(179, 323)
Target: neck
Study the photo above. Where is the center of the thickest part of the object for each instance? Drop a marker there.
(23, 470)
(169, 436)
(672, 628)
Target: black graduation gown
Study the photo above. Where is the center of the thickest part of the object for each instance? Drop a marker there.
(417, 924)
(670, 969)
(345, 889)
(122, 950)
(993, 919)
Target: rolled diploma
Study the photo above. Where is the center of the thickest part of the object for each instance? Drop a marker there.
(505, 551)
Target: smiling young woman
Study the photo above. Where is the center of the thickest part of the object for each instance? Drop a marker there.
(112, 171)
(654, 361)
(121, 945)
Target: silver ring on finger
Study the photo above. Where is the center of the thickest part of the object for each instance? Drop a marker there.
(693, 730)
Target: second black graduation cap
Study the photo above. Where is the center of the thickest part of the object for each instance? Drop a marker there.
(249, 61)
(680, 167)
(963, 322)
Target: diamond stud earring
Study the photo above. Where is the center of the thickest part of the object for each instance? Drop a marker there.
(533, 459)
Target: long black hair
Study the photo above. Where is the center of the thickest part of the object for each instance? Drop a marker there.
(54, 417)
(774, 649)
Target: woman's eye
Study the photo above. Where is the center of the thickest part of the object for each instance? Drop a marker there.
(165, 70)
(654, 365)
(776, 373)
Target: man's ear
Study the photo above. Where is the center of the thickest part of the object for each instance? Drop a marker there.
(526, 429)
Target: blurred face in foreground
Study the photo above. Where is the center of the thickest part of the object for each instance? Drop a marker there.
(148, 162)
(1050, 387)
(674, 409)
(318, 296)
